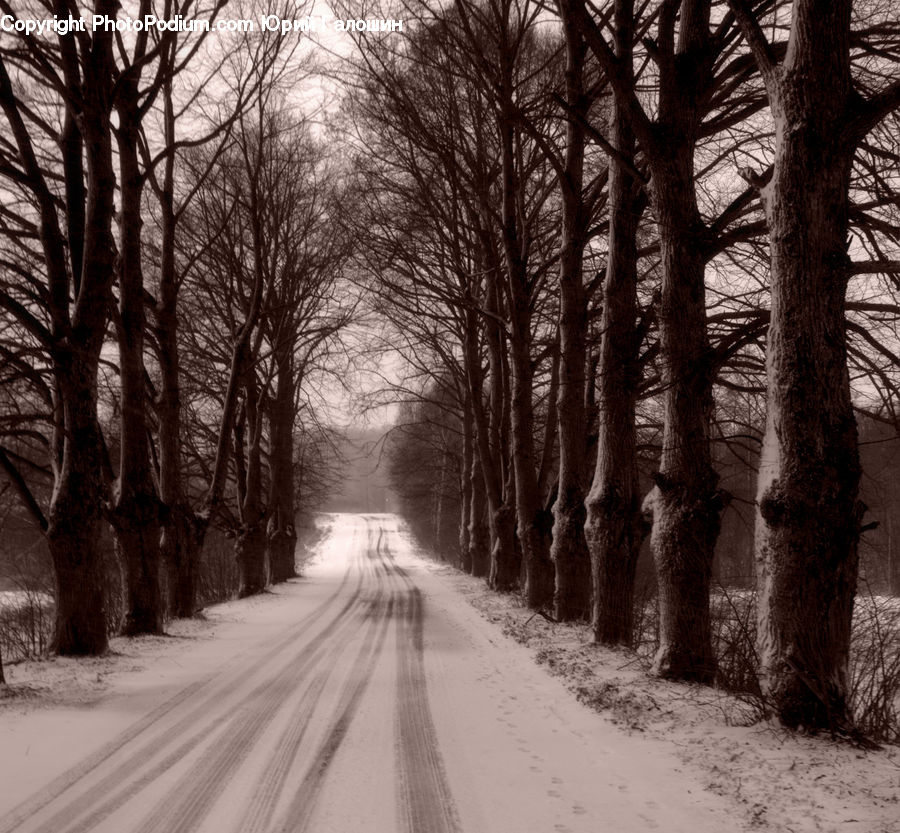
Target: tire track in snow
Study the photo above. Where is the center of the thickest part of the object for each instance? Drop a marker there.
(271, 785)
(115, 790)
(426, 802)
(185, 808)
(262, 805)
(148, 725)
(207, 714)
(302, 806)
(24, 811)
(211, 733)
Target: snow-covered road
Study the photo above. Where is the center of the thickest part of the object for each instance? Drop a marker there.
(367, 697)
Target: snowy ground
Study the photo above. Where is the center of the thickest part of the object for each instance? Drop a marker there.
(772, 779)
(15, 599)
(372, 696)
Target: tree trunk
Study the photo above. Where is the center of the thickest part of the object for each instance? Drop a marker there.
(136, 506)
(179, 547)
(250, 550)
(79, 269)
(182, 544)
(81, 488)
(182, 536)
(465, 486)
(250, 544)
(685, 502)
(240, 376)
(439, 503)
(503, 573)
(282, 537)
(505, 561)
(809, 516)
(479, 535)
(533, 522)
(568, 550)
(614, 526)
(79, 272)
(76, 515)
(282, 548)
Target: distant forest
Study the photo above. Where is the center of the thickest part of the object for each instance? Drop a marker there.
(363, 484)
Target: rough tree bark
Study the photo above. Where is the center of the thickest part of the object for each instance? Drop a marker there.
(76, 515)
(685, 503)
(569, 552)
(136, 509)
(76, 334)
(479, 536)
(465, 485)
(533, 522)
(614, 527)
(503, 573)
(808, 512)
(282, 536)
(250, 543)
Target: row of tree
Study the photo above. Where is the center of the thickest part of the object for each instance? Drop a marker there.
(609, 232)
(170, 286)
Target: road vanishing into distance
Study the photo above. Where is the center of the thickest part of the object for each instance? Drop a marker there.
(382, 702)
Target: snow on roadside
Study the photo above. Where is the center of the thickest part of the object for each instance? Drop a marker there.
(777, 781)
(79, 681)
(57, 711)
(15, 599)
(70, 681)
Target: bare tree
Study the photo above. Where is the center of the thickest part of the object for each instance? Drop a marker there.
(697, 77)
(78, 251)
(614, 526)
(809, 516)
(241, 77)
(437, 133)
(306, 307)
(227, 230)
(521, 60)
(569, 550)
